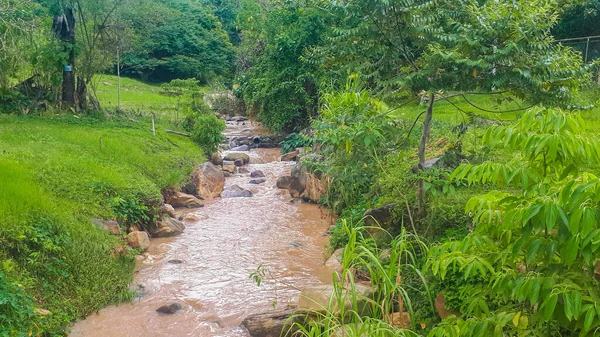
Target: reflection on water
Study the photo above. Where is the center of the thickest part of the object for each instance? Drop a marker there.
(218, 253)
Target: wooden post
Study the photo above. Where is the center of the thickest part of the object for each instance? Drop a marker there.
(153, 129)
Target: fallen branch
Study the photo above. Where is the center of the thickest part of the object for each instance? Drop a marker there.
(178, 133)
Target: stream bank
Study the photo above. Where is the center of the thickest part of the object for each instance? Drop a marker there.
(207, 269)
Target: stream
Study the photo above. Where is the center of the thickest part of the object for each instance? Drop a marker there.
(207, 269)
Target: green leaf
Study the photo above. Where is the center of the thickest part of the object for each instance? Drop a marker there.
(574, 221)
(548, 306)
(589, 319)
(570, 250)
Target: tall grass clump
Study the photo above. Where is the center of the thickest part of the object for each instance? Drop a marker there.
(351, 313)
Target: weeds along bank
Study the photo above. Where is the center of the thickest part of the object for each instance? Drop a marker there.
(56, 174)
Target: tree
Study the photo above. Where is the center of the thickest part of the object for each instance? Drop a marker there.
(85, 28)
(528, 266)
(279, 86)
(17, 26)
(450, 50)
(176, 40)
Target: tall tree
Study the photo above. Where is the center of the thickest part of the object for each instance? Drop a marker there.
(449, 50)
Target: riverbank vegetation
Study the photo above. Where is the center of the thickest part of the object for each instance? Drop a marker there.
(464, 121)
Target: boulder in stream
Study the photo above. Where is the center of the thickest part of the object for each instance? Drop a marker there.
(229, 168)
(167, 209)
(209, 181)
(275, 323)
(233, 156)
(180, 199)
(241, 148)
(236, 192)
(239, 162)
(284, 182)
(167, 227)
(216, 159)
(138, 240)
(290, 156)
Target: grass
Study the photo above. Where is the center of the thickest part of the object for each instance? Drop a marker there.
(58, 172)
(137, 97)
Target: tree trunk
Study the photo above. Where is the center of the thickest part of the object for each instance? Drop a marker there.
(421, 152)
(64, 27)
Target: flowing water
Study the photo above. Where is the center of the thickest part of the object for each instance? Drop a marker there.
(207, 268)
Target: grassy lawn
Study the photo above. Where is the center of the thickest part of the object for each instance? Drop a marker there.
(137, 97)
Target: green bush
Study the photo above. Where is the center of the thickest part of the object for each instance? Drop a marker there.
(207, 132)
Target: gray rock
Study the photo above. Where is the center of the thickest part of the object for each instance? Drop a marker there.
(243, 170)
(236, 192)
(257, 181)
(284, 182)
(228, 162)
(257, 174)
(241, 148)
(216, 159)
(233, 156)
(175, 261)
(239, 162)
(169, 309)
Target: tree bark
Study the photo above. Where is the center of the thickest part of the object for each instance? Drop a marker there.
(421, 151)
(64, 27)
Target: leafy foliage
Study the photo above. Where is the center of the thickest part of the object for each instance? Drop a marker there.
(535, 245)
(281, 88)
(176, 39)
(353, 132)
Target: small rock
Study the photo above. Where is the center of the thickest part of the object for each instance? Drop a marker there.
(236, 192)
(168, 209)
(241, 148)
(138, 239)
(239, 162)
(216, 159)
(290, 156)
(284, 182)
(228, 162)
(229, 168)
(42, 312)
(257, 174)
(169, 309)
(226, 174)
(243, 170)
(110, 226)
(297, 201)
(257, 181)
(190, 218)
(175, 261)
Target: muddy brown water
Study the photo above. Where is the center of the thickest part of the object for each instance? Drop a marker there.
(217, 254)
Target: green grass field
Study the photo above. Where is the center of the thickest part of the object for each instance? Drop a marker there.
(137, 97)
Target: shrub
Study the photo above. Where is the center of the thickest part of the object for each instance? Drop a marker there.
(207, 132)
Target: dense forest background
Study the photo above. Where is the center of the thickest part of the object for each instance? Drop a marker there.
(470, 123)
